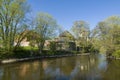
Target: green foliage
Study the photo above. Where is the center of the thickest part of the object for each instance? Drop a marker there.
(12, 20)
(24, 52)
(80, 29)
(32, 43)
(6, 55)
(46, 27)
(53, 46)
(116, 54)
(81, 32)
(67, 36)
(106, 36)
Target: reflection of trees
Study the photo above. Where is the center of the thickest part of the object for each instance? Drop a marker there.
(48, 69)
(74, 68)
(24, 70)
(6, 74)
(1, 73)
(113, 71)
(67, 65)
(86, 66)
(21, 71)
(82, 67)
(70, 67)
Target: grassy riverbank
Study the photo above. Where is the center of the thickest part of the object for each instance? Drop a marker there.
(28, 52)
(5, 61)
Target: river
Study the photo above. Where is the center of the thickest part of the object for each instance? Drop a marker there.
(93, 67)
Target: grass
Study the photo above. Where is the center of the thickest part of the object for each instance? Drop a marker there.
(28, 48)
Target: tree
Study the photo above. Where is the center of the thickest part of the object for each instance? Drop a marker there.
(12, 21)
(81, 32)
(80, 29)
(46, 27)
(32, 36)
(98, 35)
(107, 34)
(53, 46)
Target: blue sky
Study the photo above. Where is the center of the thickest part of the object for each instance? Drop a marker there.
(68, 11)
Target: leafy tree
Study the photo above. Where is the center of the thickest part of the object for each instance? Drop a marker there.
(12, 21)
(81, 32)
(46, 27)
(107, 34)
(53, 46)
(80, 29)
(32, 36)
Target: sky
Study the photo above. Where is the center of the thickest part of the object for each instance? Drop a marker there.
(66, 12)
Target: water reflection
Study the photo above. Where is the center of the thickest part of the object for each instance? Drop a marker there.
(1, 73)
(94, 67)
(113, 70)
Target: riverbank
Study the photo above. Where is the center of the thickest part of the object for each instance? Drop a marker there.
(5, 61)
(112, 57)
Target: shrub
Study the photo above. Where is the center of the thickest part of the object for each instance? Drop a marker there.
(116, 54)
(4, 55)
(53, 46)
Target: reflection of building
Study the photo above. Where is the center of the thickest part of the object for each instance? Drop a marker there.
(44, 64)
(24, 69)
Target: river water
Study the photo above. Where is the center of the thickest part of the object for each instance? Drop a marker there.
(93, 67)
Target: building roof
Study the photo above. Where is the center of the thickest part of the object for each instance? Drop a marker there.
(66, 34)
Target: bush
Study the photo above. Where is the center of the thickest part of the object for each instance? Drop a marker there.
(53, 46)
(25, 52)
(6, 55)
(116, 54)
(22, 54)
